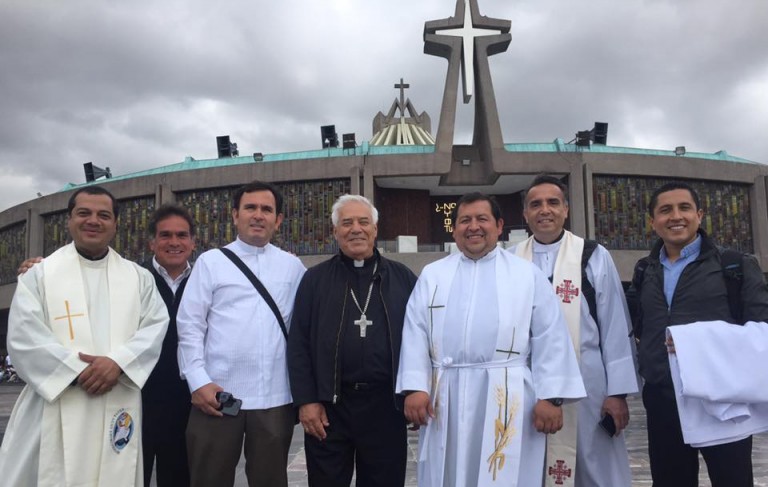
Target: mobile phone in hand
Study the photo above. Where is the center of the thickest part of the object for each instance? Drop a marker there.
(228, 404)
(608, 425)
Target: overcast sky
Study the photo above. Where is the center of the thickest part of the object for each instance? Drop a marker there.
(141, 84)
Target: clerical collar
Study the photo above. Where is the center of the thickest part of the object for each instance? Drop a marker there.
(248, 248)
(490, 255)
(560, 237)
(358, 263)
(88, 257)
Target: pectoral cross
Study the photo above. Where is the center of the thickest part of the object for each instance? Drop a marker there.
(69, 317)
(363, 323)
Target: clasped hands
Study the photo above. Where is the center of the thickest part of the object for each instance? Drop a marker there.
(100, 376)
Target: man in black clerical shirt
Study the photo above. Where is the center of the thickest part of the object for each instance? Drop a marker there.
(343, 353)
(165, 397)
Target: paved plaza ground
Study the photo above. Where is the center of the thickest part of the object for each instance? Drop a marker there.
(636, 443)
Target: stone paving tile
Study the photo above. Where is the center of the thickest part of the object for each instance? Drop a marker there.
(636, 444)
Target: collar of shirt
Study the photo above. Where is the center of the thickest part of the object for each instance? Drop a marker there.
(673, 270)
(172, 283)
(545, 255)
(249, 249)
(490, 255)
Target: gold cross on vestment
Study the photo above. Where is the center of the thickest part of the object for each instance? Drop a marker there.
(69, 317)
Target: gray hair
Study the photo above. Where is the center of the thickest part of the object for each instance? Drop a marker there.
(348, 198)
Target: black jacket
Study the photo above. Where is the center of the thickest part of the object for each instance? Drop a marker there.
(164, 383)
(700, 295)
(316, 325)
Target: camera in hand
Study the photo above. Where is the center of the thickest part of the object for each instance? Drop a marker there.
(228, 404)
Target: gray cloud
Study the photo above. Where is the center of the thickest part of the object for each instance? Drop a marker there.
(143, 84)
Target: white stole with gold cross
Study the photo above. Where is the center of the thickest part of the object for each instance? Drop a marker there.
(98, 437)
(560, 467)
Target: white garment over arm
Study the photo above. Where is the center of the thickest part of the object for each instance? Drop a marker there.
(720, 381)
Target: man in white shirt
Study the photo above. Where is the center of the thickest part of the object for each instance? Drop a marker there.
(230, 340)
(486, 361)
(601, 342)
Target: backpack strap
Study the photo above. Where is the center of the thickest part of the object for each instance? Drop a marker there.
(733, 274)
(587, 290)
(259, 287)
(637, 284)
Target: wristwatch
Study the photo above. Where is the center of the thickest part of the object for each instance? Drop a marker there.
(555, 401)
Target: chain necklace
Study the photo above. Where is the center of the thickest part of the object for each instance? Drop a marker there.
(363, 322)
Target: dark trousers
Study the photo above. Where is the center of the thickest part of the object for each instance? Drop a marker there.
(163, 433)
(675, 464)
(366, 434)
(214, 445)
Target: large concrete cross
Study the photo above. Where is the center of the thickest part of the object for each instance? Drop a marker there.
(468, 32)
(466, 40)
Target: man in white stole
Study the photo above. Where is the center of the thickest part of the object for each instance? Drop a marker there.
(484, 346)
(604, 352)
(85, 329)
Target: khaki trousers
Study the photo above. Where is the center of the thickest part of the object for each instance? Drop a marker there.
(214, 445)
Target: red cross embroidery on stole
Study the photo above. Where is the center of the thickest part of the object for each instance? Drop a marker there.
(567, 291)
(559, 472)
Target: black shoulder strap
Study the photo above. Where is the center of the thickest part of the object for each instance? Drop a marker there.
(639, 273)
(637, 283)
(731, 262)
(259, 287)
(587, 290)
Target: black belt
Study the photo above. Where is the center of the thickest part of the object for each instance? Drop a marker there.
(363, 386)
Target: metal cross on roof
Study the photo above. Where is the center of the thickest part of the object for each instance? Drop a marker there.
(401, 105)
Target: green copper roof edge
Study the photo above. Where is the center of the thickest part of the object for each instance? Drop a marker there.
(190, 163)
(558, 145)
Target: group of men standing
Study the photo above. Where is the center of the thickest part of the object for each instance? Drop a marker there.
(515, 365)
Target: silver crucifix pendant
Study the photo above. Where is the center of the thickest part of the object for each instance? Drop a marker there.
(363, 323)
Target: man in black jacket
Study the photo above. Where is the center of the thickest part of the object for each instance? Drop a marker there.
(165, 397)
(343, 353)
(684, 283)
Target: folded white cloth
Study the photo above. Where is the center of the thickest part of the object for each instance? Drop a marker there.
(720, 379)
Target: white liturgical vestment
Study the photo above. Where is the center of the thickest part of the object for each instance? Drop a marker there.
(606, 363)
(58, 435)
(718, 370)
(485, 339)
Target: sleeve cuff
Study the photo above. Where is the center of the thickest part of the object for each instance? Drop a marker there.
(197, 378)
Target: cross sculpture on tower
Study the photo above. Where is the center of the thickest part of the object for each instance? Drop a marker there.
(466, 40)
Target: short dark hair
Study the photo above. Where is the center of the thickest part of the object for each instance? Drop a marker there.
(547, 179)
(92, 190)
(166, 211)
(473, 197)
(257, 185)
(671, 187)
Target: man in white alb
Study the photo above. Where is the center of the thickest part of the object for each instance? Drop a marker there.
(231, 340)
(604, 349)
(85, 331)
(486, 361)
